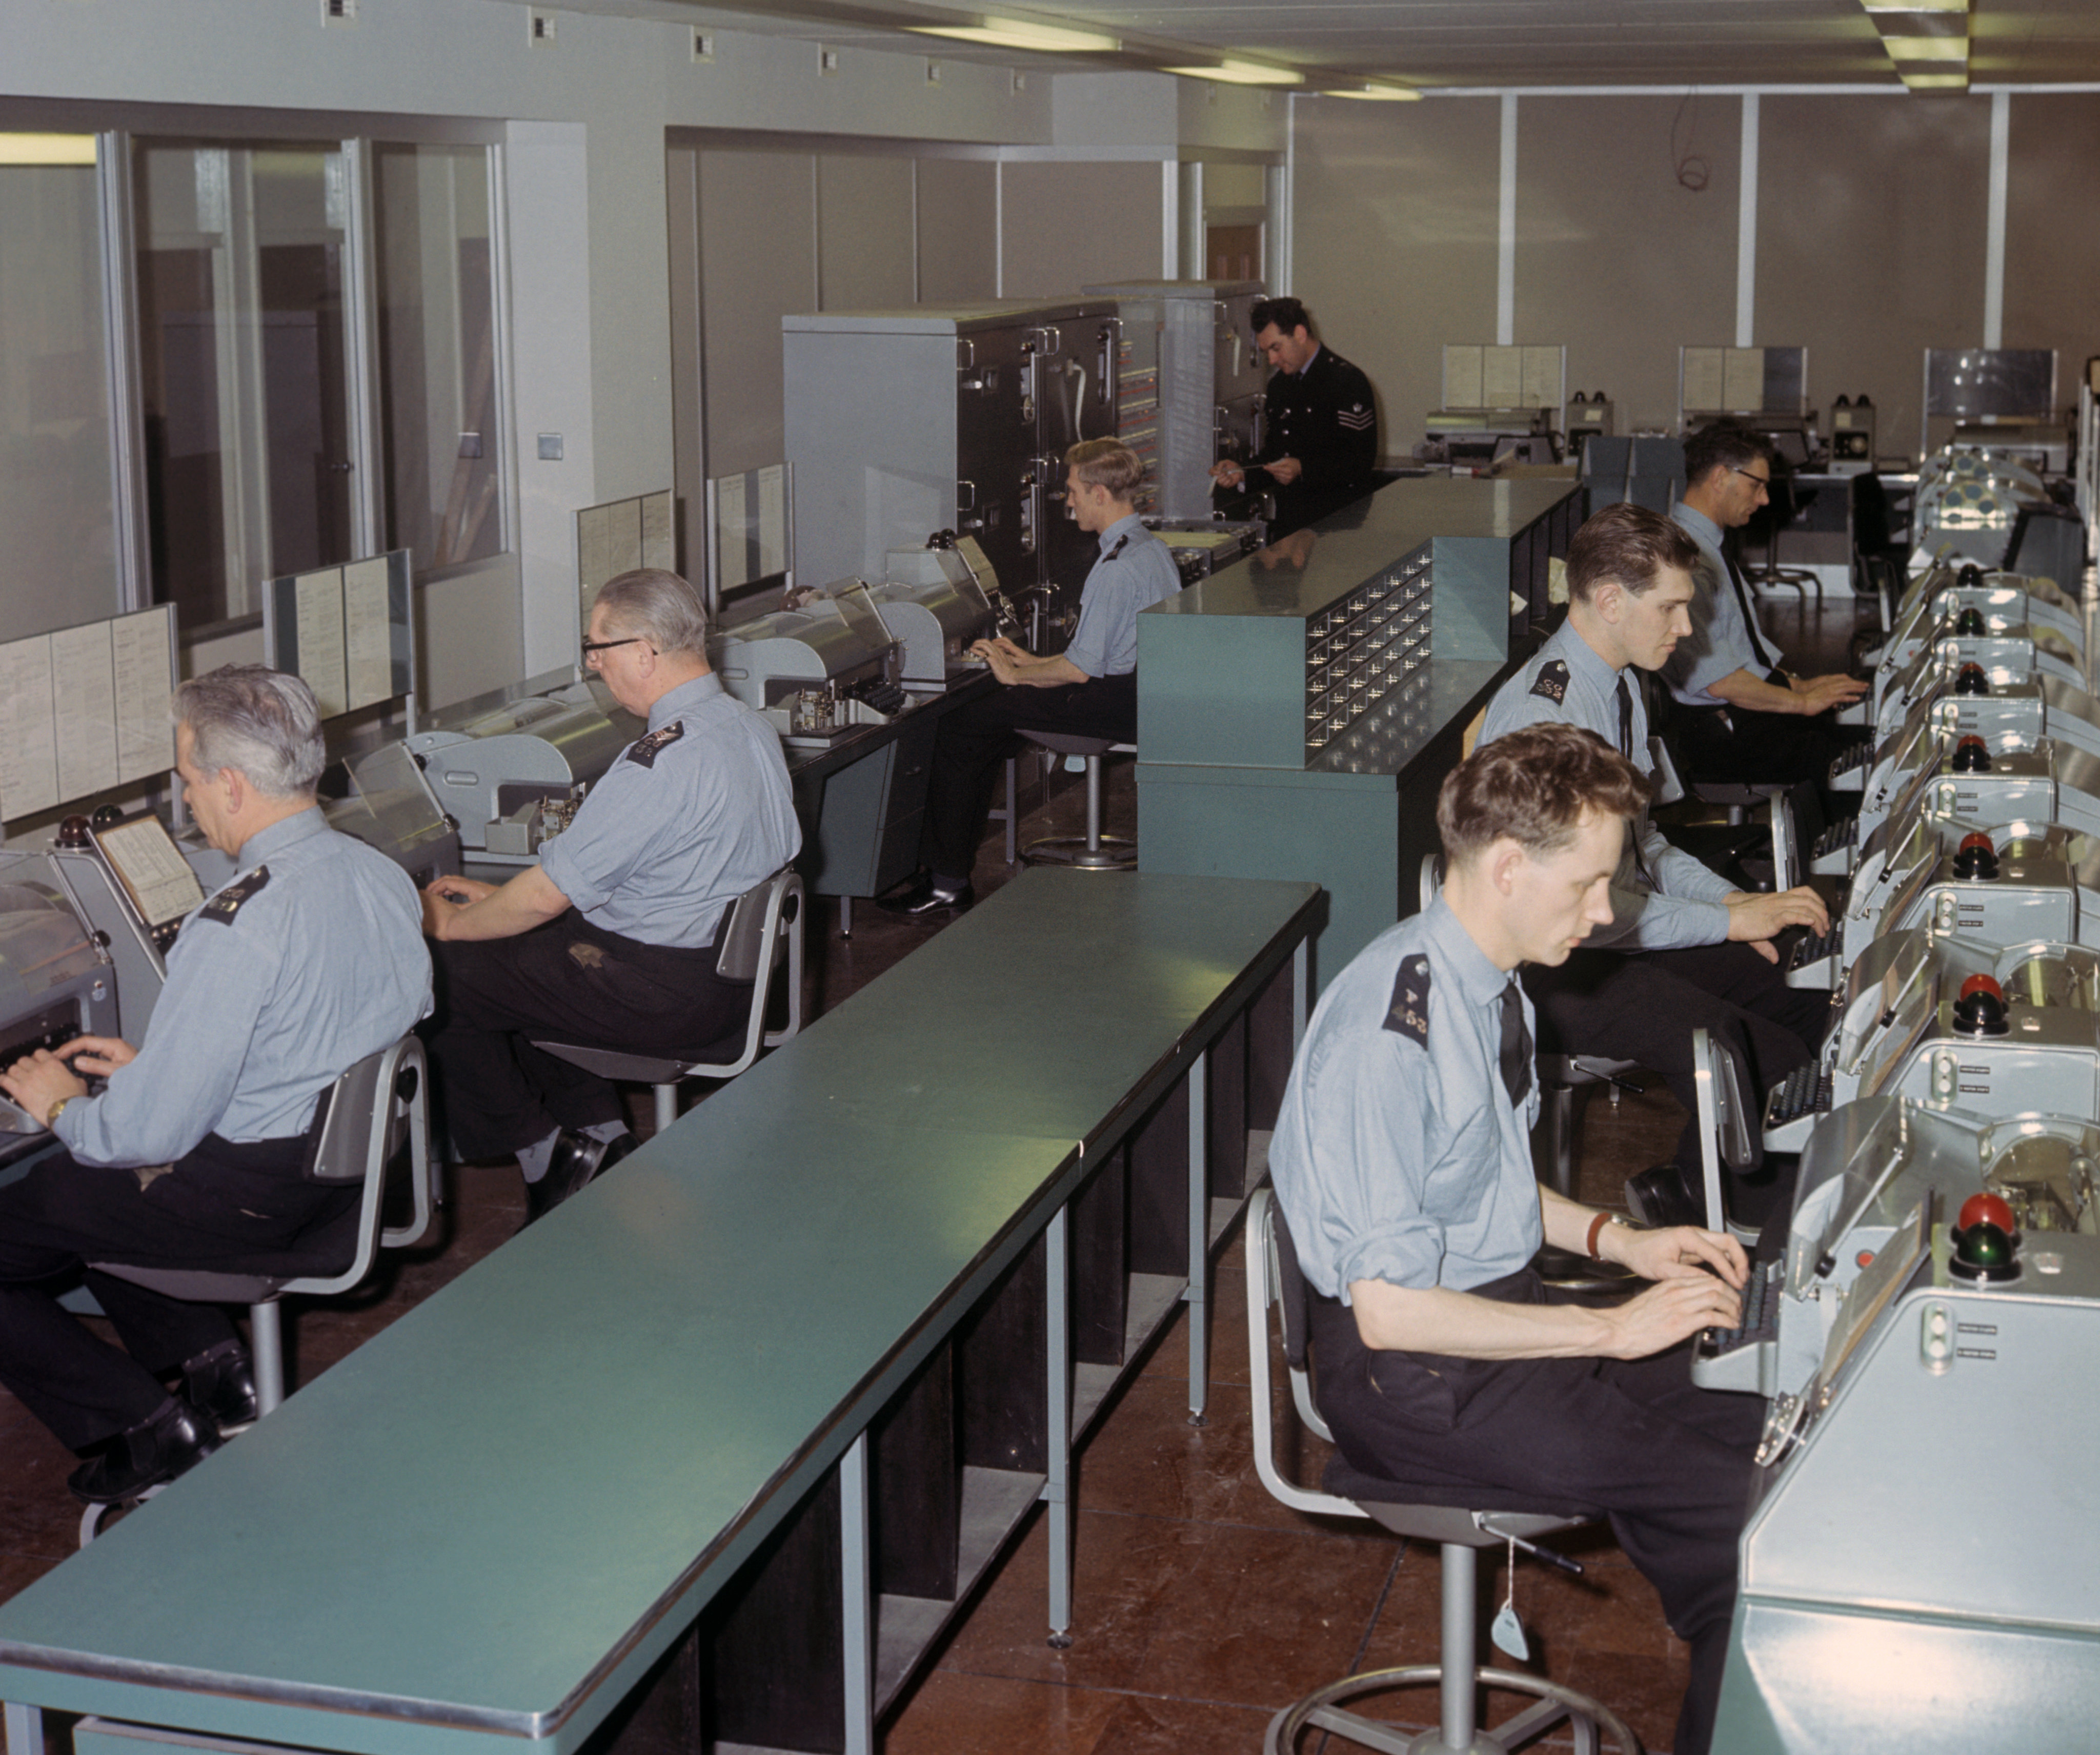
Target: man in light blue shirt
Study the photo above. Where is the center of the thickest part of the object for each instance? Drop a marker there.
(1741, 717)
(1402, 1162)
(1089, 690)
(310, 960)
(609, 941)
(1685, 949)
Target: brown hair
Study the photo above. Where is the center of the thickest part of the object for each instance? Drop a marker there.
(1627, 545)
(1106, 463)
(1533, 786)
(1722, 446)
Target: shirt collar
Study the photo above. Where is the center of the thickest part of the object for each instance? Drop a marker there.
(1479, 981)
(1702, 528)
(1123, 526)
(1582, 658)
(683, 699)
(279, 836)
(1316, 351)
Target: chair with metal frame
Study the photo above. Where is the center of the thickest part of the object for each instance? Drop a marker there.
(374, 1110)
(1460, 1523)
(764, 924)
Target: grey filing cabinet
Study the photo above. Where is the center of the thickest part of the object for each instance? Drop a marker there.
(1297, 710)
(1191, 383)
(900, 423)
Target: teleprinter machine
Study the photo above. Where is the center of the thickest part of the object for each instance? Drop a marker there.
(2001, 601)
(834, 643)
(937, 603)
(487, 758)
(2015, 653)
(2026, 889)
(1917, 1562)
(1966, 777)
(1948, 1021)
(1969, 701)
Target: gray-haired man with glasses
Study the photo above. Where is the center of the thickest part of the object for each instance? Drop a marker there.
(609, 941)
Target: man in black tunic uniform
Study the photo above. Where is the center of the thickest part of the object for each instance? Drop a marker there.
(1320, 439)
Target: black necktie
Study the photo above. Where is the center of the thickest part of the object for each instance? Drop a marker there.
(1516, 1045)
(1627, 749)
(1766, 657)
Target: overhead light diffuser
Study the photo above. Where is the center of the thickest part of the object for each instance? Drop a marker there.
(1240, 73)
(1926, 48)
(1376, 94)
(1915, 5)
(1924, 82)
(46, 149)
(1012, 33)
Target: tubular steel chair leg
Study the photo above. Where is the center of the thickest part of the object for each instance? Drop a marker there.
(667, 1106)
(266, 1352)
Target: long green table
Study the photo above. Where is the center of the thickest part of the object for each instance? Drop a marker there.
(494, 1519)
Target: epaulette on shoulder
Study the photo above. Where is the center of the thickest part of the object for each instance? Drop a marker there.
(1551, 682)
(1408, 1014)
(230, 901)
(644, 750)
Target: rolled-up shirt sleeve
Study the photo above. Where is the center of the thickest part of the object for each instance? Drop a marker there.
(613, 827)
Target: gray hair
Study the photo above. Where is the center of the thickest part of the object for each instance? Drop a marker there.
(659, 607)
(262, 723)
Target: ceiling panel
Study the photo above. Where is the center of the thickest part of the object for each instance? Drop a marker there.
(1488, 42)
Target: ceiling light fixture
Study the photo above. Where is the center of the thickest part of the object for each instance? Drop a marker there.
(1921, 81)
(1231, 72)
(1014, 33)
(46, 149)
(1926, 48)
(1915, 5)
(1376, 94)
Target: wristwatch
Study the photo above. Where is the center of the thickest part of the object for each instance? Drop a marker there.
(1597, 1230)
(57, 1108)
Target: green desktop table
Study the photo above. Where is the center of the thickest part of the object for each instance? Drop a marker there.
(687, 1396)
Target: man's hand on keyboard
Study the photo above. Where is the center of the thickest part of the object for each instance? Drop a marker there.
(1668, 1311)
(1678, 1253)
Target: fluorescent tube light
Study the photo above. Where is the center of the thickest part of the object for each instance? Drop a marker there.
(1009, 33)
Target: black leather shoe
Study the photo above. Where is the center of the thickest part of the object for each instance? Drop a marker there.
(222, 1383)
(1662, 1196)
(151, 1454)
(920, 895)
(578, 1161)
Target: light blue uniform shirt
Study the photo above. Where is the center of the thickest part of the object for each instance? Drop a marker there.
(1720, 643)
(1135, 571)
(686, 820)
(275, 986)
(1398, 1155)
(1684, 908)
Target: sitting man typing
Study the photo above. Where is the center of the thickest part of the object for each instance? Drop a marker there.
(309, 961)
(1402, 1160)
(1090, 689)
(609, 941)
(1686, 948)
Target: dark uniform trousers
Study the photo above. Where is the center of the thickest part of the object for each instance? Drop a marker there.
(1668, 1462)
(570, 982)
(974, 740)
(230, 1207)
(1642, 1008)
(1742, 746)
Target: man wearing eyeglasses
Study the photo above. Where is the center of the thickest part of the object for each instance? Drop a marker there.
(1739, 715)
(609, 941)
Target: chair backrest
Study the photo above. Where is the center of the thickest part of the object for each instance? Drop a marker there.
(1274, 1278)
(764, 924)
(376, 1107)
(1725, 1118)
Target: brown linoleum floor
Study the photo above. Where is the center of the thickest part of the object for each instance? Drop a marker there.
(1202, 1604)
